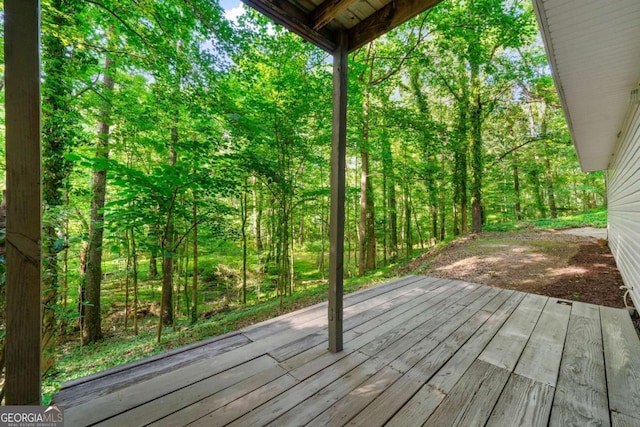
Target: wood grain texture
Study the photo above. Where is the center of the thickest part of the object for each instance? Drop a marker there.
(338, 168)
(248, 402)
(24, 202)
(472, 399)
(183, 397)
(307, 410)
(300, 392)
(581, 390)
(221, 398)
(622, 420)
(547, 339)
(622, 360)
(385, 19)
(523, 403)
(328, 10)
(102, 383)
(507, 346)
(422, 339)
(347, 407)
(295, 19)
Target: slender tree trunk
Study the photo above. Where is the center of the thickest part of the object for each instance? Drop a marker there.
(59, 134)
(243, 206)
(516, 185)
(257, 215)
(460, 168)
(134, 255)
(477, 165)
(194, 284)
(392, 208)
(367, 259)
(93, 320)
(127, 278)
(167, 244)
(548, 175)
(407, 223)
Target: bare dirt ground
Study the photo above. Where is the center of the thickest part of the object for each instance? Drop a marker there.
(574, 264)
(577, 266)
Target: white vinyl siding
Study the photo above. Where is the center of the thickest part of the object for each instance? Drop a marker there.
(623, 188)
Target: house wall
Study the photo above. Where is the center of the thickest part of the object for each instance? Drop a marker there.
(623, 188)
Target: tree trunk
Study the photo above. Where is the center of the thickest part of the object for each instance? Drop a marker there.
(476, 150)
(392, 208)
(194, 284)
(549, 182)
(59, 133)
(167, 245)
(243, 230)
(407, 222)
(134, 255)
(516, 181)
(367, 259)
(92, 325)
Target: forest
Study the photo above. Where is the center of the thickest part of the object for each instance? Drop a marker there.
(186, 155)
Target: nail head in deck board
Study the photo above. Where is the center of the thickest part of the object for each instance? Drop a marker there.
(347, 407)
(622, 360)
(540, 360)
(338, 173)
(471, 400)
(581, 390)
(221, 398)
(523, 403)
(298, 393)
(247, 403)
(24, 202)
(505, 348)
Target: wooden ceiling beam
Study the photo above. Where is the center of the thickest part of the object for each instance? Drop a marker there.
(328, 10)
(291, 17)
(386, 19)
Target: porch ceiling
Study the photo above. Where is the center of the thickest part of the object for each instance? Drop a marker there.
(319, 22)
(593, 47)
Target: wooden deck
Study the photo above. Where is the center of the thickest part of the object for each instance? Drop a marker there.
(417, 351)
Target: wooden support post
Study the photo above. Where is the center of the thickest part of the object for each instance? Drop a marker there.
(336, 226)
(24, 215)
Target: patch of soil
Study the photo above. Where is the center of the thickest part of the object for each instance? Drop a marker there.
(548, 263)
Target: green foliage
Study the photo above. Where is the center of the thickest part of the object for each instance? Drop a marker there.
(595, 218)
(233, 122)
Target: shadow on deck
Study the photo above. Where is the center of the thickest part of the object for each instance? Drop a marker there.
(417, 351)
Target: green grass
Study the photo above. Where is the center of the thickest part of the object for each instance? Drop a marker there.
(595, 218)
(120, 347)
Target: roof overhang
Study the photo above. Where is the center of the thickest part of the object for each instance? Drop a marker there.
(319, 22)
(593, 47)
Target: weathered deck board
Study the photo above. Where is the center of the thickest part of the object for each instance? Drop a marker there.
(523, 403)
(507, 346)
(622, 361)
(416, 350)
(581, 391)
(471, 400)
(547, 339)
